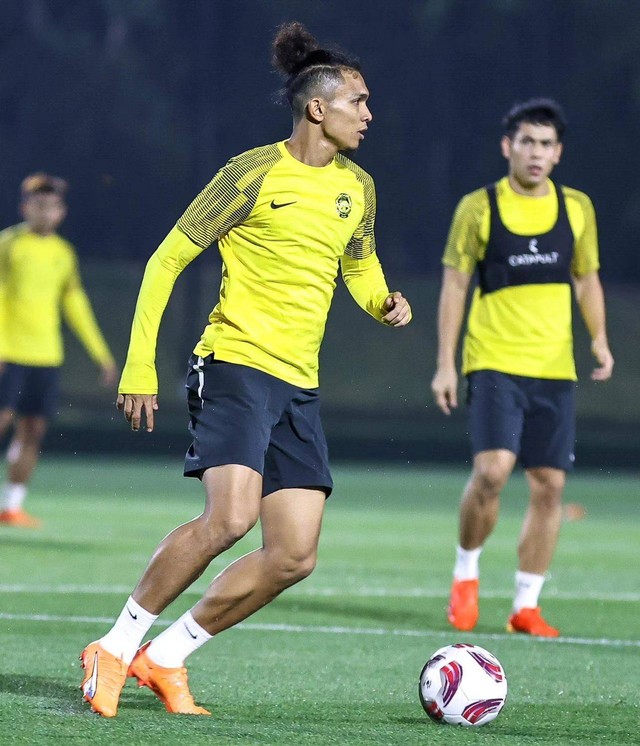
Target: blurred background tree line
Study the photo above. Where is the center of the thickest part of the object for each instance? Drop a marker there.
(138, 102)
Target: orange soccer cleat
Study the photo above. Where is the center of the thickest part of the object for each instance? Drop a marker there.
(169, 684)
(530, 622)
(463, 604)
(104, 678)
(19, 518)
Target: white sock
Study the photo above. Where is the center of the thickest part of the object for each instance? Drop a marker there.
(528, 589)
(124, 638)
(13, 494)
(183, 637)
(466, 567)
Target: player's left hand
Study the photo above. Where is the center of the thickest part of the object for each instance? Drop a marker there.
(109, 375)
(602, 353)
(398, 308)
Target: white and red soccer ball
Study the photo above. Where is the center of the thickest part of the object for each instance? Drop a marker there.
(462, 684)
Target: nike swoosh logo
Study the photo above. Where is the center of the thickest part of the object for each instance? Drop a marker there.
(275, 206)
(195, 637)
(91, 686)
(131, 614)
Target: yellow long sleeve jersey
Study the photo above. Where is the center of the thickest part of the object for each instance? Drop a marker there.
(283, 229)
(39, 284)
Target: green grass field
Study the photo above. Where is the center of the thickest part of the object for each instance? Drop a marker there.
(336, 659)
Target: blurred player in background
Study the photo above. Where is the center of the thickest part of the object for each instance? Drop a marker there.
(531, 241)
(39, 282)
(286, 217)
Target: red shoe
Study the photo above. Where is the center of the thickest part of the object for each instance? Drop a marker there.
(104, 677)
(463, 610)
(19, 518)
(169, 684)
(530, 622)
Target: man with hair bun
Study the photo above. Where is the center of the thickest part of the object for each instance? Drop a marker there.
(39, 285)
(287, 217)
(532, 242)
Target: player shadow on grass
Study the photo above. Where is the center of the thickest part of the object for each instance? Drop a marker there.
(42, 688)
(57, 693)
(429, 615)
(35, 542)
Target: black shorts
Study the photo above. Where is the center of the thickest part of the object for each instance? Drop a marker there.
(29, 390)
(241, 415)
(531, 417)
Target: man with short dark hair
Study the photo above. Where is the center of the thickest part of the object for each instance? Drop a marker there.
(39, 283)
(531, 241)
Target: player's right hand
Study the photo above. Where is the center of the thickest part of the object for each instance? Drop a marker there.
(445, 389)
(134, 405)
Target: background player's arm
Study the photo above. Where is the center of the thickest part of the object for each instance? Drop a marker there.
(588, 289)
(590, 299)
(6, 238)
(79, 315)
(453, 296)
(465, 247)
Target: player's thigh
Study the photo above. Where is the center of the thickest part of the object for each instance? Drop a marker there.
(7, 417)
(496, 409)
(233, 496)
(548, 437)
(298, 456)
(30, 429)
(291, 520)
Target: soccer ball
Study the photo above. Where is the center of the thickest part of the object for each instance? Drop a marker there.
(462, 685)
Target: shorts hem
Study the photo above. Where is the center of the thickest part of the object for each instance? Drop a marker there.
(198, 471)
(326, 488)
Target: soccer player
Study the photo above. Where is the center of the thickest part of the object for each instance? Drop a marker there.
(531, 242)
(39, 282)
(286, 216)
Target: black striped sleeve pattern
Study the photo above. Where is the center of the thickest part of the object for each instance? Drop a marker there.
(229, 197)
(363, 242)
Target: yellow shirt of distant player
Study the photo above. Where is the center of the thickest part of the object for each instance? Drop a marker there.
(39, 281)
(526, 329)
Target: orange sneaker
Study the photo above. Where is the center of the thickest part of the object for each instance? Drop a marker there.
(19, 518)
(463, 604)
(104, 678)
(169, 684)
(530, 622)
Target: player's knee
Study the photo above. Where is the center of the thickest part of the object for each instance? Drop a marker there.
(224, 532)
(489, 479)
(292, 567)
(547, 485)
(32, 431)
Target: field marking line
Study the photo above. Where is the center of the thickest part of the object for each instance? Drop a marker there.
(328, 592)
(335, 630)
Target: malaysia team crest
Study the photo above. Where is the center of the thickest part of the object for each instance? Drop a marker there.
(343, 205)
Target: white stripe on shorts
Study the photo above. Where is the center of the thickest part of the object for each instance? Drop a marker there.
(200, 372)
